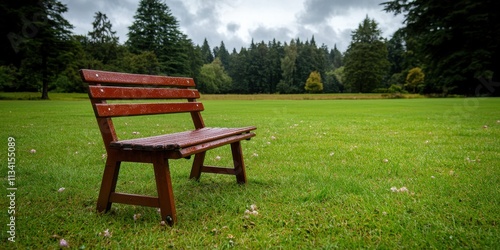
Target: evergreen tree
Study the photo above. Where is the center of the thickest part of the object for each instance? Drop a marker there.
(276, 52)
(103, 42)
(206, 53)
(196, 61)
(366, 61)
(304, 65)
(41, 47)
(458, 42)
(223, 55)
(288, 67)
(396, 54)
(258, 69)
(336, 58)
(156, 29)
(238, 71)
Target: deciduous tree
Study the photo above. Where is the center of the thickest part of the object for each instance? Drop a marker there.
(214, 79)
(415, 79)
(313, 83)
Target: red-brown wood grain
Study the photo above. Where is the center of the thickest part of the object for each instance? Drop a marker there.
(169, 95)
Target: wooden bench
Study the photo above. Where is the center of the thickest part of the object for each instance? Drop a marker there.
(174, 95)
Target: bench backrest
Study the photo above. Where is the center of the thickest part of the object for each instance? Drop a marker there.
(104, 86)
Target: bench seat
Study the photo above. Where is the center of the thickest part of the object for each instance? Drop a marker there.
(184, 144)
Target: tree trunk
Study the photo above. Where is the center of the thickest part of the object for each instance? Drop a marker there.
(45, 77)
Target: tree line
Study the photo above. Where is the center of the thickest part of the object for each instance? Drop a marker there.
(44, 55)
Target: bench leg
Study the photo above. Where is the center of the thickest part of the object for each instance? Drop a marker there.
(108, 184)
(165, 192)
(196, 170)
(239, 165)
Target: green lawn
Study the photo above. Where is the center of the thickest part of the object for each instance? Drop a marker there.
(319, 171)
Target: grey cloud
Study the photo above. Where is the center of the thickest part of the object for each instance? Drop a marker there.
(206, 13)
(233, 27)
(205, 22)
(267, 34)
(200, 25)
(81, 14)
(318, 11)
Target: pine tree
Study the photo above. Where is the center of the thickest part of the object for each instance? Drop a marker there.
(457, 41)
(276, 52)
(238, 71)
(222, 53)
(336, 57)
(156, 29)
(366, 61)
(206, 53)
(42, 47)
(288, 67)
(103, 42)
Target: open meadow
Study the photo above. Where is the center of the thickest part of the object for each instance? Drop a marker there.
(376, 173)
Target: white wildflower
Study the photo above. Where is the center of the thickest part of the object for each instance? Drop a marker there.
(61, 190)
(107, 234)
(63, 243)
(394, 189)
(137, 216)
(33, 151)
(253, 207)
(403, 189)
(217, 158)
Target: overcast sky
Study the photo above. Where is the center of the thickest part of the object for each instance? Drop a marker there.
(236, 22)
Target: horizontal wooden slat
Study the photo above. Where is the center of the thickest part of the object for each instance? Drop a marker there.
(213, 144)
(134, 199)
(179, 140)
(218, 170)
(116, 78)
(114, 93)
(116, 110)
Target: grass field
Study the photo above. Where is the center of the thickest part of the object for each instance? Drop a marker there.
(386, 173)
